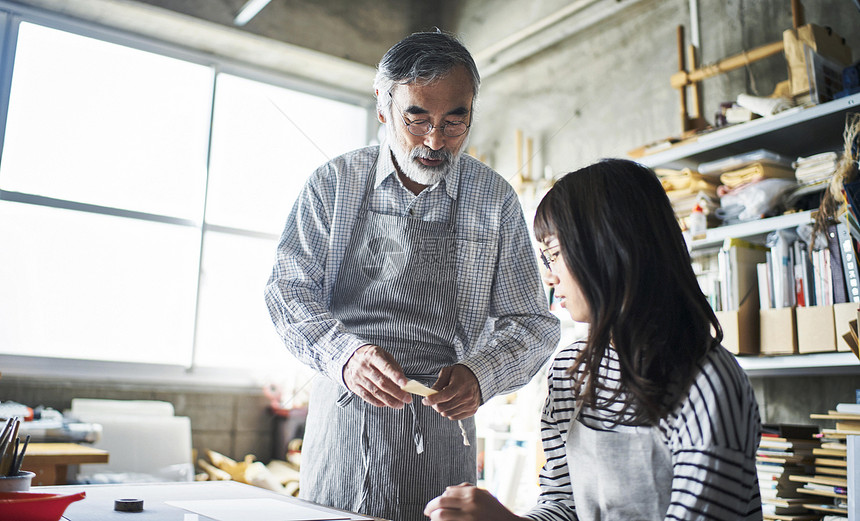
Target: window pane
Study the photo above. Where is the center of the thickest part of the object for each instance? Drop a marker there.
(104, 124)
(234, 328)
(266, 141)
(87, 286)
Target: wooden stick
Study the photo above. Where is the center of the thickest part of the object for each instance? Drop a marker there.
(529, 144)
(797, 15)
(683, 78)
(695, 93)
(682, 69)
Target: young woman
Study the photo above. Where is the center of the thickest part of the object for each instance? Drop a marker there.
(649, 417)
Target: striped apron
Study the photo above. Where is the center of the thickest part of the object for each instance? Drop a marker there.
(396, 288)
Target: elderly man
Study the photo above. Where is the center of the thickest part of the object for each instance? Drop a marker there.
(403, 261)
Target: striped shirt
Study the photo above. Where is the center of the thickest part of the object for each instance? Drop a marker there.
(712, 436)
(505, 332)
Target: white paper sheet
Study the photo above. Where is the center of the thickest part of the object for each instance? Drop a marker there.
(261, 509)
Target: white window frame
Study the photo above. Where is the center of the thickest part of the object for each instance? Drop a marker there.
(11, 15)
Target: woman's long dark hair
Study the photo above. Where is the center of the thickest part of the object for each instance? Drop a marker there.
(621, 242)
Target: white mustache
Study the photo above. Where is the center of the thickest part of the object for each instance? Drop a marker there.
(427, 153)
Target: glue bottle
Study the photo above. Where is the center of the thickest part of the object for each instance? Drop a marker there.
(698, 222)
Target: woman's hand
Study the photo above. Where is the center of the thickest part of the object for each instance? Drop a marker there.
(465, 502)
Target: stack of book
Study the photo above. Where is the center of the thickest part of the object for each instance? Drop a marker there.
(785, 451)
(826, 487)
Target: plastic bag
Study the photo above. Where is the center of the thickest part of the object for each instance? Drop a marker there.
(752, 201)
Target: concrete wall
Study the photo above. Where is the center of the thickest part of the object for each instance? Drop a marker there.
(791, 399)
(605, 90)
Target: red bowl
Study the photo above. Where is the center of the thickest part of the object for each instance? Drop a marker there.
(31, 506)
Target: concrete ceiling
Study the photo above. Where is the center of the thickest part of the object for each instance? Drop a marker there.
(339, 42)
(355, 30)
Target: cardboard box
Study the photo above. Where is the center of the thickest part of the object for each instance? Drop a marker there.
(778, 329)
(816, 329)
(843, 314)
(740, 330)
(823, 41)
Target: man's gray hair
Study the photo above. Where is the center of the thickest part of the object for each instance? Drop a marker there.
(421, 58)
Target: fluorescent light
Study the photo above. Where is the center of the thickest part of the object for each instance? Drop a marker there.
(249, 10)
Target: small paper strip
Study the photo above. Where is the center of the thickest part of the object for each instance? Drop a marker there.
(415, 387)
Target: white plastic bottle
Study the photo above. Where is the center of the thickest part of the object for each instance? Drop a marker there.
(698, 223)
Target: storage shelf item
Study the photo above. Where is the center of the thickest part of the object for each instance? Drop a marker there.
(811, 130)
(797, 132)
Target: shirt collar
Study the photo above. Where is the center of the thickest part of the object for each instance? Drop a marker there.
(385, 168)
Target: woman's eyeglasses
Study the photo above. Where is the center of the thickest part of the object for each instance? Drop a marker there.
(549, 256)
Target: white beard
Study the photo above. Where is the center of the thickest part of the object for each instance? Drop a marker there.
(417, 171)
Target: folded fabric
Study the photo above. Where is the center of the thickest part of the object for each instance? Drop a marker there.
(815, 168)
(764, 106)
(677, 196)
(824, 157)
(755, 172)
(814, 173)
(686, 180)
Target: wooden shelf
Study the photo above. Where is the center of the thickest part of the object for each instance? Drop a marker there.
(811, 130)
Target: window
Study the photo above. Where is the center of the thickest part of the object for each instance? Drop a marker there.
(141, 199)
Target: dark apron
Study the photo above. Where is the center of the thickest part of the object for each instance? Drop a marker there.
(396, 288)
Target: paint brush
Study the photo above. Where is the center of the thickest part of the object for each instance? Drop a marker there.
(16, 466)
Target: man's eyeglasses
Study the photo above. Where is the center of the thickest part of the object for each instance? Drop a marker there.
(422, 127)
(549, 257)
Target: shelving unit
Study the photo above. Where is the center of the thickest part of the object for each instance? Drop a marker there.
(797, 131)
(793, 133)
(813, 364)
(752, 229)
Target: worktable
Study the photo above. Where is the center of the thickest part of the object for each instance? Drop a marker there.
(50, 461)
(99, 502)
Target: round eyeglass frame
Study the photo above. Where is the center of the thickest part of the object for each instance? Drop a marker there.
(416, 130)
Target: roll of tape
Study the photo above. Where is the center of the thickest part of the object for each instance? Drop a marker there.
(128, 505)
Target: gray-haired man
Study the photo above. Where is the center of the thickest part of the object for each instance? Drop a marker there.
(407, 260)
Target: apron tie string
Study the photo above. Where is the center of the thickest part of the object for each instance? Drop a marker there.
(417, 435)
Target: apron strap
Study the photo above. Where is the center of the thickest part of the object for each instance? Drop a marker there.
(417, 435)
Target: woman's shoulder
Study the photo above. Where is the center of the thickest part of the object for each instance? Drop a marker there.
(719, 370)
(719, 407)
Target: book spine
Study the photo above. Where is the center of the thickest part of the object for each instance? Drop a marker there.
(849, 262)
(801, 285)
(723, 267)
(764, 296)
(826, 279)
(837, 274)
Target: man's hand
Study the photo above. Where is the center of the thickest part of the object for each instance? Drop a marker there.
(465, 502)
(374, 375)
(459, 393)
